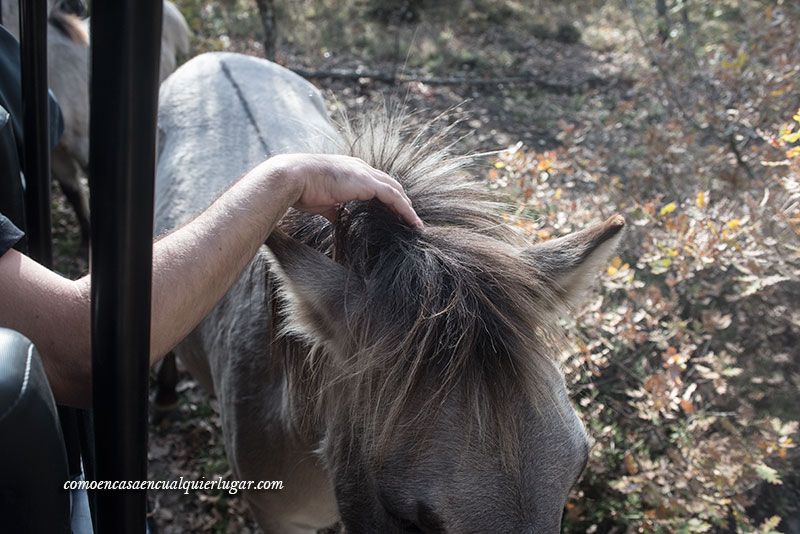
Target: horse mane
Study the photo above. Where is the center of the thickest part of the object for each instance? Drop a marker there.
(454, 306)
(70, 25)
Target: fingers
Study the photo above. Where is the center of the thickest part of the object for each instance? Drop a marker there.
(383, 177)
(393, 195)
(340, 179)
(398, 202)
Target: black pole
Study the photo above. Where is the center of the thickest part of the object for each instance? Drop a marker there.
(36, 154)
(36, 128)
(126, 39)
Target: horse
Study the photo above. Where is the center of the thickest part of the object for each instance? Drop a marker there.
(395, 379)
(68, 78)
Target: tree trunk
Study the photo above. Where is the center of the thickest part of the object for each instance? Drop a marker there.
(266, 9)
(687, 23)
(663, 20)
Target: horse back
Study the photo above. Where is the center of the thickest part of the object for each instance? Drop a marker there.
(220, 114)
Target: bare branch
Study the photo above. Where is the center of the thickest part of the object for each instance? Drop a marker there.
(589, 82)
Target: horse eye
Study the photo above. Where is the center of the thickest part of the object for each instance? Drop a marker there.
(413, 517)
(406, 525)
(405, 522)
(430, 521)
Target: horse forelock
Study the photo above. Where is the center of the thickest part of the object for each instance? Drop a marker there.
(454, 306)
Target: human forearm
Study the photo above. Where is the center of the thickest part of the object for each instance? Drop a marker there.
(195, 265)
(192, 267)
(53, 312)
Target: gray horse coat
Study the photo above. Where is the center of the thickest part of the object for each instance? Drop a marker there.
(220, 115)
(449, 333)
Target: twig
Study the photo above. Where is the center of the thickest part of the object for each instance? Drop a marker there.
(739, 159)
(391, 78)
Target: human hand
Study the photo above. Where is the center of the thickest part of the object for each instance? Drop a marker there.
(327, 181)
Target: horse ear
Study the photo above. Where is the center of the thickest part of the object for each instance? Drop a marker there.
(315, 288)
(570, 264)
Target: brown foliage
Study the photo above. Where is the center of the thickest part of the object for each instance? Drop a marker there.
(684, 346)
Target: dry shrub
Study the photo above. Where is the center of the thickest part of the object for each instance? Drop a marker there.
(682, 364)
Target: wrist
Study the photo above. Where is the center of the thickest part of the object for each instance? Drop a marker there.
(277, 178)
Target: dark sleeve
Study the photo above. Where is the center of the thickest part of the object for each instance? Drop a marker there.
(9, 234)
(11, 91)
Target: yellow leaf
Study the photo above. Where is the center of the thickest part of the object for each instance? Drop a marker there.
(789, 136)
(770, 524)
(793, 152)
(615, 266)
(667, 209)
(737, 63)
(734, 224)
(557, 194)
(660, 266)
(499, 164)
(700, 200)
(741, 59)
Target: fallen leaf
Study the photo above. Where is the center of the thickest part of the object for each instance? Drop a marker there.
(667, 209)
